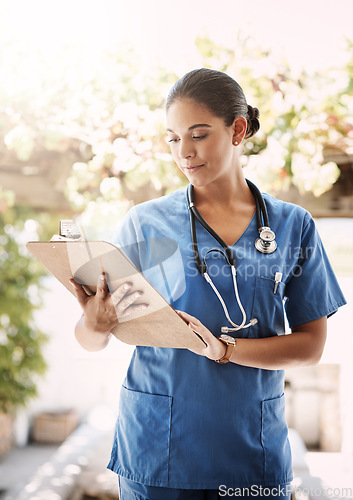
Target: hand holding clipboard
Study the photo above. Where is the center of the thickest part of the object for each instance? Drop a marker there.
(157, 325)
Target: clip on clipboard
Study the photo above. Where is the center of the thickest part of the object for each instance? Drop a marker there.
(158, 325)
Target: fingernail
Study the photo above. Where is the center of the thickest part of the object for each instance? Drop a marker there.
(143, 307)
(137, 294)
(101, 277)
(126, 286)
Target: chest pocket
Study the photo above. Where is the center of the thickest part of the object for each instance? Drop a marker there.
(267, 308)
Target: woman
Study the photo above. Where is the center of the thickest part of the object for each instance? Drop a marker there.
(210, 423)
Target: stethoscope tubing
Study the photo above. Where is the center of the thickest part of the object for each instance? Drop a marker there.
(262, 223)
(260, 205)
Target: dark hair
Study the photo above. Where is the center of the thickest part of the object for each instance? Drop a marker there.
(220, 93)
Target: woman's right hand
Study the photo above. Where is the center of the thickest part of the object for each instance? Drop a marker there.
(103, 310)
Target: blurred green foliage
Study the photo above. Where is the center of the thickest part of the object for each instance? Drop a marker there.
(303, 117)
(112, 106)
(21, 342)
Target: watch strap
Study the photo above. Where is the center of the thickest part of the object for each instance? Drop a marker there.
(230, 346)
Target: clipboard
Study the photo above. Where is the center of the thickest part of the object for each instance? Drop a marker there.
(158, 325)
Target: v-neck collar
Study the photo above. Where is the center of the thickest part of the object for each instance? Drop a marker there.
(205, 230)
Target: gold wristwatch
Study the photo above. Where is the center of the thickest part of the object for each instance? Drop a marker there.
(230, 343)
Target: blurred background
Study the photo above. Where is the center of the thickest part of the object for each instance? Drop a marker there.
(82, 136)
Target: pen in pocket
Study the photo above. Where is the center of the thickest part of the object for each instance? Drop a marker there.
(278, 277)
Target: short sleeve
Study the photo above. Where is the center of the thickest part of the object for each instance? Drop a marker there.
(312, 291)
(126, 238)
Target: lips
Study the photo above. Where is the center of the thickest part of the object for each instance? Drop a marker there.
(191, 168)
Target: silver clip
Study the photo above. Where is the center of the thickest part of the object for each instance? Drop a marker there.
(278, 277)
(68, 231)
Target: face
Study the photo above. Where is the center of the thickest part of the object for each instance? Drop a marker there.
(201, 143)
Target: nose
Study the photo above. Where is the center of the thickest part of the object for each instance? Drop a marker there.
(186, 149)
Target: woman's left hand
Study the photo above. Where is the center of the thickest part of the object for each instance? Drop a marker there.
(214, 348)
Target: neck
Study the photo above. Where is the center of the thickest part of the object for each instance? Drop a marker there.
(229, 192)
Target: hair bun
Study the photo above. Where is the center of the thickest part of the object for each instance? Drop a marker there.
(253, 121)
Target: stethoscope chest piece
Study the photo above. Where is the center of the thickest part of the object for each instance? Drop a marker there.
(266, 242)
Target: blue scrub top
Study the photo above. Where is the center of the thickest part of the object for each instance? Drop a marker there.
(185, 421)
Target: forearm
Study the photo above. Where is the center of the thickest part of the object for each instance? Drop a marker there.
(89, 338)
(300, 348)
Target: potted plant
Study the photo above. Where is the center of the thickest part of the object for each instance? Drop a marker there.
(21, 359)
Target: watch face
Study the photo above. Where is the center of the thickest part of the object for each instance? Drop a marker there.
(227, 338)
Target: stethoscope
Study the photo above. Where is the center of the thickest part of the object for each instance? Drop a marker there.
(265, 243)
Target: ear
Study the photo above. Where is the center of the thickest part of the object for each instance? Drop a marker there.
(239, 127)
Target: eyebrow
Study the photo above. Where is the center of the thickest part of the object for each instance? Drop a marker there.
(192, 127)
